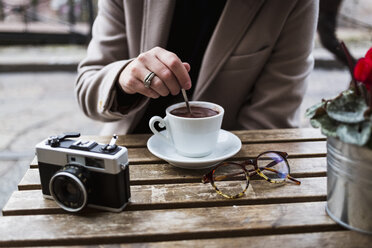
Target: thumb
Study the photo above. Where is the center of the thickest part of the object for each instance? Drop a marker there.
(187, 66)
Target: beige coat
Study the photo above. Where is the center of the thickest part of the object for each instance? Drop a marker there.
(255, 65)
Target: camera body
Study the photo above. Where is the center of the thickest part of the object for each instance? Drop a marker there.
(77, 173)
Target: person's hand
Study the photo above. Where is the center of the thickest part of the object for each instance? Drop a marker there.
(170, 74)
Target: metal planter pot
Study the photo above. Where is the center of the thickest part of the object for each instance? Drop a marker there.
(349, 185)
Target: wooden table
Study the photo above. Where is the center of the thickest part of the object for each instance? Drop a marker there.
(172, 208)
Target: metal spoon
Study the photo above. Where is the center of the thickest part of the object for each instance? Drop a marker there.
(186, 100)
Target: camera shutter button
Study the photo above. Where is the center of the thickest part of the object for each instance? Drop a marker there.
(111, 146)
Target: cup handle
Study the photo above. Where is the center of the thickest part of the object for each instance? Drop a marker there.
(162, 124)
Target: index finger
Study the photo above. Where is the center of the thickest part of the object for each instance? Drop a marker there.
(176, 66)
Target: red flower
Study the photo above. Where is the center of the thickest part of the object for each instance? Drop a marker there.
(363, 70)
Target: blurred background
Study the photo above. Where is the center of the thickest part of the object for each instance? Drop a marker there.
(42, 41)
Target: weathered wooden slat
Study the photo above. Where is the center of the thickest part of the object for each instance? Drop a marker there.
(31, 180)
(163, 196)
(165, 173)
(339, 239)
(294, 149)
(280, 135)
(165, 225)
(246, 136)
(33, 163)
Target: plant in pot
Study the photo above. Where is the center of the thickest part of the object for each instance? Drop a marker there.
(346, 120)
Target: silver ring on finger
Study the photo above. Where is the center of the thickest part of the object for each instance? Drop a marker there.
(148, 78)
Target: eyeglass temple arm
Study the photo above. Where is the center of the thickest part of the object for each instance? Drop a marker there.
(288, 176)
(271, 164)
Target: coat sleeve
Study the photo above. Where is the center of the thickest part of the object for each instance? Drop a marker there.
(279, 90)
(107, 56)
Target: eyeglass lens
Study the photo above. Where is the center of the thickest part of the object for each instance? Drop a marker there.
(230, 179)
(273, 166)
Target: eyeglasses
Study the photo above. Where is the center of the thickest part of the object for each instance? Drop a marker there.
(231, 179)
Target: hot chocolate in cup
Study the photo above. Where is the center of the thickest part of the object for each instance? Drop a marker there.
(192, 135)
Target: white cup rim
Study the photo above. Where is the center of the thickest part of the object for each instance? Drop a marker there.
(210, 105)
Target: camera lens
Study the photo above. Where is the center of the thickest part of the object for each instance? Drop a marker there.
(68, 188)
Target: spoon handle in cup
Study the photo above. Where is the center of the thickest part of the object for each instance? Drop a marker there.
(186, 100)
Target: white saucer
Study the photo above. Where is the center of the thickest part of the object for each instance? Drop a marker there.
(228, 145)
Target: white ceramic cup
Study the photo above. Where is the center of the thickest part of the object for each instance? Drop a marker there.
(191, 137)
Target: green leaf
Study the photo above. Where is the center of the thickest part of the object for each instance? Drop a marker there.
(348, 108)
(327, 125)
(357, 134)
(310, 112)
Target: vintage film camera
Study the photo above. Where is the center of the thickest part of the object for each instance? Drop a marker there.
(77, 173)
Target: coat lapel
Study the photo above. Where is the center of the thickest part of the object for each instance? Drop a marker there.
(156, 23)
(235, 19)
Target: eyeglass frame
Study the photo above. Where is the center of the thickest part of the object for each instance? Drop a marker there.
(209, 177)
